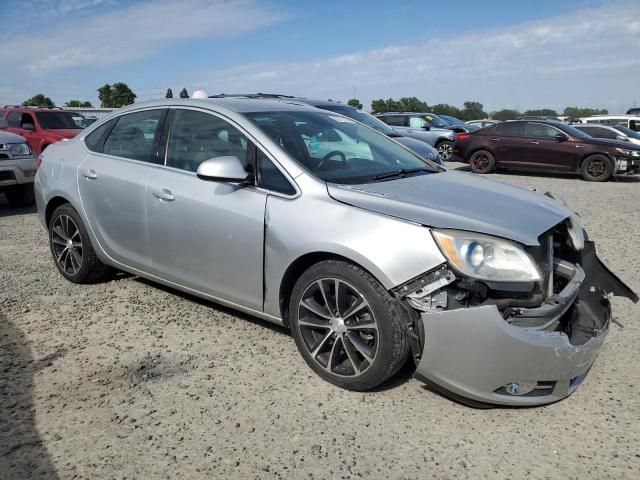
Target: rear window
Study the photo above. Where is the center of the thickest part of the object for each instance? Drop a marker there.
(510, 129)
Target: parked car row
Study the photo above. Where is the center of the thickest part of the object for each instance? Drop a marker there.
(546, 146)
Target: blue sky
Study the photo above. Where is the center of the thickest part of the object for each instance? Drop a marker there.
(504, 54)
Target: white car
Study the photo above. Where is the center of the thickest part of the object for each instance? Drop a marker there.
(630, 121)
(610, 132)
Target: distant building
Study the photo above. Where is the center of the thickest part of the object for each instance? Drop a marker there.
(90, 111)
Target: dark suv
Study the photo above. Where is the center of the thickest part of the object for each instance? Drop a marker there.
(42, 126)
(545, 146)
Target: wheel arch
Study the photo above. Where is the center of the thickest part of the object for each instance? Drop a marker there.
(299, 266)
(52, 204)
(591, 154)
(477, 149)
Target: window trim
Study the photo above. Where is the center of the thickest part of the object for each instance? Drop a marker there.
(163, 149)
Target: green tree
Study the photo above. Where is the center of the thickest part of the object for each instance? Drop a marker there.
(576, 112)
(115, 96)
(472, 111)
(184, 93)
(506, 114)
(405, 104)
(169, 93)
(541, 112)
(39, 100)
(354, 102)
(78, 104)
(446, 109)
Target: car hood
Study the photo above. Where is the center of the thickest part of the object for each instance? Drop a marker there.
(421, 148)
(8, 137)
(64, 132)
(461, 201)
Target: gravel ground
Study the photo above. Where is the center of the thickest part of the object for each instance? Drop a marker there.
(130, 380)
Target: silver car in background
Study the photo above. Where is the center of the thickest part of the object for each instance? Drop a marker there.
(369, 254)
(17, 168)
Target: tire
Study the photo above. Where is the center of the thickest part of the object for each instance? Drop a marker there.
(368, 339)
(20, 195)
(445, 149)
(596, 168)
(76, 261)
(482, 162)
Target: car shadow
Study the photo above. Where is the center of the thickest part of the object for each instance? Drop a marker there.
(23, 454)
(7, 210)
(518, 173)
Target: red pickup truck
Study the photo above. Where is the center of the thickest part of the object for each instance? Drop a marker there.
(42, 126)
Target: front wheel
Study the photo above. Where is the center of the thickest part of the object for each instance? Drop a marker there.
(71, 247)
(596, 168)
(347, 327)
(445, 149)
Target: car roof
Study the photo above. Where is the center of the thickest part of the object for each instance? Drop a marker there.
(236, 104)
(30, 109)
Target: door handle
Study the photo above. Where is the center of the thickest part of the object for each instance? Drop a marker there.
(495, 139)
(534, 142)
(164, 194)
(90, 174)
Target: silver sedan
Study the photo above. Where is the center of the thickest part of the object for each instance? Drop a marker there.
(368, 253)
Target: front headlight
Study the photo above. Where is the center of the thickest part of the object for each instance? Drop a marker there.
(626, 152)
(486, 258)
(19, 149)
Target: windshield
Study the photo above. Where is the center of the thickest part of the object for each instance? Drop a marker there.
(61, 120)
(362, 117)
(337, 149)
(434, 120)
(451, 120)
(628, 132)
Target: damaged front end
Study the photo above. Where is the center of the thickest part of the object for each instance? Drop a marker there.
(513, 342)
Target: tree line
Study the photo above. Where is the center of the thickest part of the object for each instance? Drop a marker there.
(119, 94)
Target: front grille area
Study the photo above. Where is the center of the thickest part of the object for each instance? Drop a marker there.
(7, 176)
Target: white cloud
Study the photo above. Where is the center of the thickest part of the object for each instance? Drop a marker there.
(130, 33)
(589, 57)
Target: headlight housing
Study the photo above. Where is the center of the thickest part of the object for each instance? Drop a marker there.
(626, 152)
(486, 258)
(19, 149)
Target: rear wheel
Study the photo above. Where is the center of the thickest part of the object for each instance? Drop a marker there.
(482, 162)
(597, 168)
(20, 195)
(347, 327)
(71, 248)
(445, 149)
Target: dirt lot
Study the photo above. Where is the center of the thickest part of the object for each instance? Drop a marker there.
(129, 380)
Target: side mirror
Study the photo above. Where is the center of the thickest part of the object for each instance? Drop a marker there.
(3, 123)
(561, 137)
(426, 126)
(29, 126)
(223, 169)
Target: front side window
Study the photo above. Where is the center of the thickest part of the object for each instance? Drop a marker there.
(337, 149)
(131, 137)
(198, 136)
(540, 130)
(270, 177)
(416, 122)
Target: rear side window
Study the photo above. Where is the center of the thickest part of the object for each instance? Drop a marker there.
(510, 129)
(271, 178)
(14, 119)
(394, 120)
(599, 132)
(134, 136)
(95, 139)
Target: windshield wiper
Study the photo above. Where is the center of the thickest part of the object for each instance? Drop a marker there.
(401, 173)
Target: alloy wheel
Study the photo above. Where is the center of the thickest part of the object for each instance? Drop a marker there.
(596, 168)
(67, 244)
(338, 327)
(480, 162)
(445, 150)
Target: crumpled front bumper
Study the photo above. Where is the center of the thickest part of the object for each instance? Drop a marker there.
(475, 355)
(17, 171)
